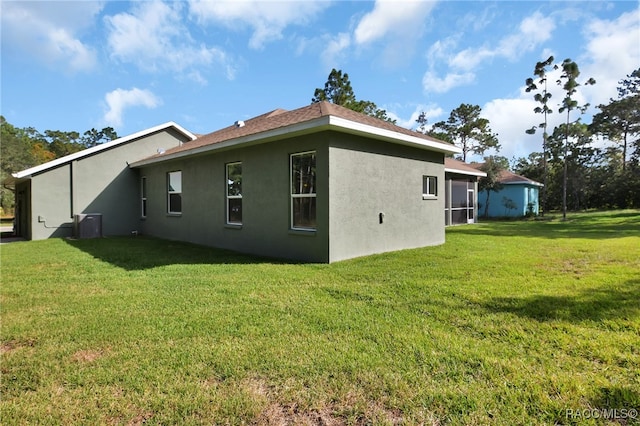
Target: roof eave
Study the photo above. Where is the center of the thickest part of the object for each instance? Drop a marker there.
(306, 127)
(354, 127)
(465, 172)
(28, 173)
(532, 183)
(327, 122)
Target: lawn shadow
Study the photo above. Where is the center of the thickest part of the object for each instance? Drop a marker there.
(141, 252)
(578, 225)
(590, 304)
(616, 397)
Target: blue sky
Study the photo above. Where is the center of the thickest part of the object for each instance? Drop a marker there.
(133, 65)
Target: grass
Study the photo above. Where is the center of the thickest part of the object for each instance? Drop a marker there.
(507, 323)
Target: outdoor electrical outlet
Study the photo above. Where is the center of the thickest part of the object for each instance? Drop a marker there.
(41, 219)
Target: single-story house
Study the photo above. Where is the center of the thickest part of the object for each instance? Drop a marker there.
(518, 197)
(320, 183)
(49, 197)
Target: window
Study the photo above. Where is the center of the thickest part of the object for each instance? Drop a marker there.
(303, 190)
(143, 196)
(174, 192)
(234, 193)
(429, 187)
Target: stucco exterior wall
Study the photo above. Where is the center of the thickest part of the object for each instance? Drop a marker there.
(101, 183)
(266, 201)
(51, 204)
(367, 178)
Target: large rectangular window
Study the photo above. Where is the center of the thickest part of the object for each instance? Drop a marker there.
(234, 193)
(429, 187)
(174, 192)
(303, 190)
(143, 197)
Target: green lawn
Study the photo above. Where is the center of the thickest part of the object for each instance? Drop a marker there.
(520, 322)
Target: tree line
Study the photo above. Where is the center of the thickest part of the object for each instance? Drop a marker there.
(577, 172)
(582, 165)
(22, 148)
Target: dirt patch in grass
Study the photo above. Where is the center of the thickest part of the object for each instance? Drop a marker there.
(282, 414)
(12, 345)
(88, 355)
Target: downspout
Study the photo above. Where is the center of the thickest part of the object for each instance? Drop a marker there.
(71, 191)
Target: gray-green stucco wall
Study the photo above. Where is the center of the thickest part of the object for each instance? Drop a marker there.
(100, 183)
(368, 179)
(266, 228)
(357, 178)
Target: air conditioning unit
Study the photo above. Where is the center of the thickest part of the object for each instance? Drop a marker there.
(87, 225)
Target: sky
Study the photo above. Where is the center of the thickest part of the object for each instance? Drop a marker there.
(77, 65)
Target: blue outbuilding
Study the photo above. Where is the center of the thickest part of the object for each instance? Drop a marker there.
(518, 197)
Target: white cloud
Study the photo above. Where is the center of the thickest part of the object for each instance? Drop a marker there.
(268, 19)
(612, 52)
(335, 49)
(394, 27)
(532, 31)
(405, 18)
(154, 38)
(431, 111)
(509, 118)
(51, 31)
(434, 84)
(121, 99)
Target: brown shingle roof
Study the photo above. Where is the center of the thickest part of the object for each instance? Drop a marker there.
(508, 177)
(280, 118)
(451, 164)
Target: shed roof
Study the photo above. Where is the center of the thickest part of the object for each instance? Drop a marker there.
(452, 165)
(279, 123)
(507, 177)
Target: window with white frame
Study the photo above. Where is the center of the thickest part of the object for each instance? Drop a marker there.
(429, 187)
(234, 193)
(174, 192)
(303, 190)
(143, 196)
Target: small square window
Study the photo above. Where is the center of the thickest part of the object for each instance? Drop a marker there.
(429, 187)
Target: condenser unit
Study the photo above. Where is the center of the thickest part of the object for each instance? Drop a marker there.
(87, 225)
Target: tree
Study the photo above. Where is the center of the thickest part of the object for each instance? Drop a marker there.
(15, 154)
(95, 137)
(492, 167)
(532, 167)
(542, 97)
(571, 147)
(338, 90)
(569, 82)
(620, 119)
(468, 130)
(422, 123)
(63, 143)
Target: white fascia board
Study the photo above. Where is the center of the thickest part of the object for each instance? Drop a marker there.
(306, 127)
(94, 149)
(532, 183)
(391, 136)
(464, 172)
(315, 125)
